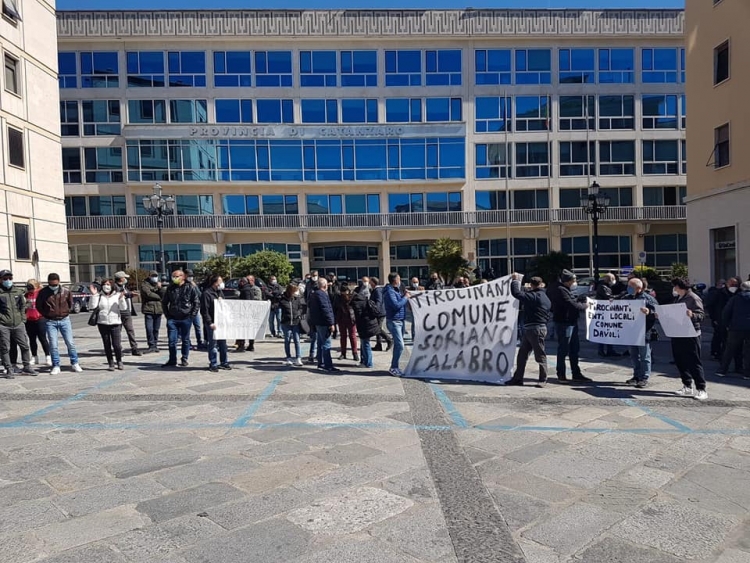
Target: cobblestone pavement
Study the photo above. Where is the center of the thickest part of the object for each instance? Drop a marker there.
(267, 463)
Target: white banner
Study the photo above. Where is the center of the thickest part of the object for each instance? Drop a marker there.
(467, 334)
(675, 322)
(241, 320)
(618, 322)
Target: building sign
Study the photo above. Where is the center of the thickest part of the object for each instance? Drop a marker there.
(725, 245)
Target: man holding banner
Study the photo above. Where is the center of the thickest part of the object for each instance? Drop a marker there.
(641, 354)
(566, 310)
(537, 309)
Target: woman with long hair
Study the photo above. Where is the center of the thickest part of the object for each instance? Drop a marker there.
(290, 305)
(108, 304)
(347, 323)
(36, 326)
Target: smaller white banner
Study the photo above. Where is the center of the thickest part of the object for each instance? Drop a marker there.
(241, 320)
(675, 322)
(618, 322)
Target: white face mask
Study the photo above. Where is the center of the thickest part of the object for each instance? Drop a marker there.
(154, 279)
(221, 286)
(107, 289)
(573, 286)
(675, 294)
(315, 278)
(732, 289)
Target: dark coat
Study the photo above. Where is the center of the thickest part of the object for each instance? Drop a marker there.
(208, 303)
(54, 306)
(737, 312)
(273, 292)
(537, 306)
(250, 292)
(566, 309)
(716, 302)
(151, 297)
(291, 310)
(603, 291)
(181, 301)
(376, 301)
(319, 309)
(368, 324)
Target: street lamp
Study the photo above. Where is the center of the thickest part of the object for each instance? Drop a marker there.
(595, 204)
(159, 206)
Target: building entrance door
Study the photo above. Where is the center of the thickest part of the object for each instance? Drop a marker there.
(725, 253)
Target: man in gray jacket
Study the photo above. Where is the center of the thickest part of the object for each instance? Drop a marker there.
(12, 328)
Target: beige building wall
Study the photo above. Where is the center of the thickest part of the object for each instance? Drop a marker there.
(718, 198)
(33, 236)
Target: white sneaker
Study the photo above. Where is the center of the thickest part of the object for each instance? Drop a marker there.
(55, 370)
(685, 391)
(395, 372)
(76, 368)
(48, 359)
(298, 362)
(701, 395)
(289, 362)
(33, 360)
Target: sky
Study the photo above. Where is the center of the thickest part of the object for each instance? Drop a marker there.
(358, 4)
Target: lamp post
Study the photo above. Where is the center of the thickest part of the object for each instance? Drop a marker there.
(595, 204)
(158, 205)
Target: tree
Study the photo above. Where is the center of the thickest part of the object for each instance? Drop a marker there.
(550, 266)
(137, 277)
(646, 272)
(445, 257)
(215, 265)
(265, 264)
(679, 270)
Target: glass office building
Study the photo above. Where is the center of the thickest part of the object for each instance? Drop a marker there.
(350, 140)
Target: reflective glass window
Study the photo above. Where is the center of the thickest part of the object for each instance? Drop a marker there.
(403, 110)
(492, 114)
(273, 68)
(442, 67)
(403, 68)
(577, 66)
(362, 203)
(359, 68)
(71, 164)
(443, 109)
(492, 66)
(187, 68)
(188, 111)
(359, 110)
(274, 111)
(532, 160)
(147, 111)
(616, 158)
(67, 69)
(659, 66)
(577, 113)
(101, 117)
(661, 157)
(619, 197)
(659, 111)
(317, 68)
(194, 205)
(577, 158)
(533, 66)
(617, 112)
(69, 125)
(103, 164)
(320, 111)
(616, 66)
(491, 200)
(145, 69)
(530, 199)
(100, 69)
(106, 205)
(232, 69)
(234, 111)
(533, 113)
(493, 160)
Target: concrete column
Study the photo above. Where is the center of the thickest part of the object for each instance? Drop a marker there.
(385, 255)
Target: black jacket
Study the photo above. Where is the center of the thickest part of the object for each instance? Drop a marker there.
(291, 310)
(249, 291)
(376, 300)
(273, 293)
(319, 309)
(181, 301)
(433, 285)
(603, 291)
(368, 324)
(537, 305)
(566, 309)
(716, 302)
(151, 297)
(208, 298)
(737, 312)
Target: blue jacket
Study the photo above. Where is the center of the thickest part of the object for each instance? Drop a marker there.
(395, 304)
(319, 309)
(737, 312)
(376, 298)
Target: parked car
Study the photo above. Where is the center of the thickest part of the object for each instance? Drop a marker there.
(231, 287)
(586, 286)
(81, 295)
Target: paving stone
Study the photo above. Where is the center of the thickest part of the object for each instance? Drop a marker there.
(398, 461)
(274, 433)
(33, 469)
(476, 455)
(345, 454)
(676, 528)
(544, 489)
(268, 477)
(494, 471)
(26, 490)
(518, 510)
(257, 507)
(78, 479)
(730, 458)
(649, 477)
(526, 455)
(616, 496)
(273, 541)
(218, 385)
(275, 451)
(340, 435)
(734, 556)
(150, 463)
(350, 512)
(686, 452)
(21, 548)
(88, 554)
(415, 484)
(345, 477)
(614, 550)
(204, 471)
(159, 442)
(28, 515)
(111, 495)
(715, 488)
(571, 529)
(364, 550)
(570, 468)
(197, 499)
(420, 531)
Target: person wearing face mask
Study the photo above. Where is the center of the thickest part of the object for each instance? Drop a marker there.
(290, 306)
(604, 293)
(737, 320)
(109, 305)
(378, 307)
(434, 284)
(641, 355)
(273, 293)
(36, 327)
(566, 311)
(121, 286)
(199, 331)
(687, 350)
(152, 293)
(217, 349)
(181, 303)
(249, 291)
(54, 302)
(310, 287)
(715, 303)
(12, 327)
(347, 323)
(414, 286)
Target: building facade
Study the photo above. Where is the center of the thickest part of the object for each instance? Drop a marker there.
(350, 140)
(718, 203)
(33, 237)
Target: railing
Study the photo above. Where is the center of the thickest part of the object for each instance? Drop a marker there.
(372, 220)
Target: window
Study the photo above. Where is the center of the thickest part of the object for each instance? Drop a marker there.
(107, 205)
(147, 111)
(669, 195)
(683, 111)
(194, 205)
(232, 69)
(187, 68)
(577, 113)
(75, 206)
(721, 144)
(12, 83)
(491, 200)
(615, 252)
(71, 163)
(533, 66)
(664, 250)
(100, 69)
(361, 203)
(530, 199)
(409, 251)
(274, 111)
(616, 112)
(241, 205)
(188, 111)
(533, 113)
(683, 65)
(492, 66)
(660, 157)
(103, 164)
(10, 11)
(101, 117)
(359, 68)
(493, 161)
(577, 66)
(443, 67)
(492, 114)
(403, 68)
(532, 160)
(273, 68)
(721, 63)
(145, 69)
(493, 254)
(659, 111)
(577, 158)
(320, 111)
(659, 66)
(403, 110)
(177, 255)
(616, 158)
(619, 197)
(279, 205)
(69, 126)
(234, 111)
(16, 151)
(325, 204)
(22, 241)
(420, 202)
(616, 66)
(345, 253)
(359, 111)
(67, 70)
(317, 68)
(683, 156)
(443, 109)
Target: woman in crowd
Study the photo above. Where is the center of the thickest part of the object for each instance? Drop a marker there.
(36, 327)
(368, 324)
(346, 321)
(217, 349)
(107, 305)
(687, 350)
(290, 304)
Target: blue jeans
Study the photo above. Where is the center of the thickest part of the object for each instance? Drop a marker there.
(366, 352)
(64, 328)
(179, 329)
(217, 349)
(396, 328)
(274, 321)
(568, 345)
(291, 334)
(324, 346)
(197, 327)
(641, 356)
(153, 324)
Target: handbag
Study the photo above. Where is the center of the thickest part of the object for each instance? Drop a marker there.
(94, 317)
